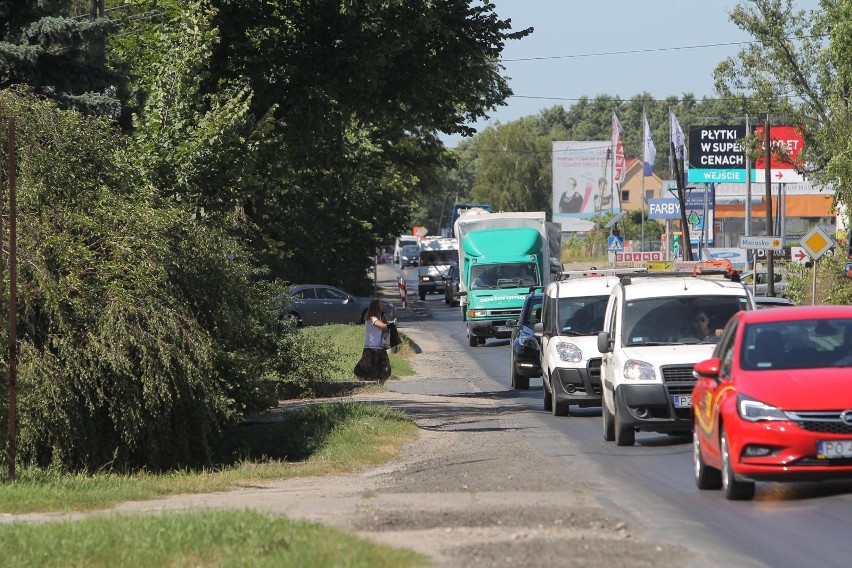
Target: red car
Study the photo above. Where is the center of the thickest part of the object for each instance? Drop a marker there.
(774, 403)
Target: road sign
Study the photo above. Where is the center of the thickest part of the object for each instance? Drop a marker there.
(773, 243)
(615, 244)
(615, 219)
(782, 170)
(798, 255)
(816, 242)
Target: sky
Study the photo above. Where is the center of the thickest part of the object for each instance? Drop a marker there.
(613, 47)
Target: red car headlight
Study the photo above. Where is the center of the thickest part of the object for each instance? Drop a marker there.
(755, 411)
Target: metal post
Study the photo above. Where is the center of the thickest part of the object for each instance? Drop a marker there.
(13, 290)
(748, 189)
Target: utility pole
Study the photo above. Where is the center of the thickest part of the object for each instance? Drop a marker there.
(767, 168)
(681, 197)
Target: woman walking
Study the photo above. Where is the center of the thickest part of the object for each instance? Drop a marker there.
(375, 363)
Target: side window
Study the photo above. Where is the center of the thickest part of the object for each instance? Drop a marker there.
(546, 314)
(305, 294)
(613, 319)
(725, 350)
(330, 294)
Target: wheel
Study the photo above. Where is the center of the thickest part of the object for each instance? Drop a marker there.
(548, 396)
(706, 477)
(472, 340)
(422, 295)
(734, 489)
(518, 382)
(293, 318)
(608, 424)
(556, 407)
(624, 435)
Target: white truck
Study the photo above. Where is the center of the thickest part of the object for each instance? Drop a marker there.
(501, 256)
(649, 344)
(437, 254)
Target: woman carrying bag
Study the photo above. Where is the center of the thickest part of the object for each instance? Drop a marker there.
(375, 363)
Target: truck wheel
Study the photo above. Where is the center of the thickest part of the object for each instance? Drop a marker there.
(556, 407)
(608, 423)
(624, 435)
(472, 340)
(518, 382)
(422, 294)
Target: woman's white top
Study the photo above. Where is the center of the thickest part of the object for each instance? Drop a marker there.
(372, 334)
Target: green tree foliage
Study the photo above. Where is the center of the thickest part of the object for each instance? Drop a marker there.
(59, 56)
(142, 335)
(797, 71)
(338, 106)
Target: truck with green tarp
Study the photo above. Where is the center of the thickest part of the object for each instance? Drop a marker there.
(501, 256)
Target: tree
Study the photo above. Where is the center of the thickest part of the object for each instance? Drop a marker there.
(340, 104)
(59, 56)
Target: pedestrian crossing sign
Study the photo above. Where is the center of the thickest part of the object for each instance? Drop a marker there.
(615, 244)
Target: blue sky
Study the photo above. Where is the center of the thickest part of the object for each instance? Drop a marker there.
(566, 31)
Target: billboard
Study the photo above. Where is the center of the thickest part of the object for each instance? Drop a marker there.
(582, 182)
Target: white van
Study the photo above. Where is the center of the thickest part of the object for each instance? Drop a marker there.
(649, 345)
(573, 313)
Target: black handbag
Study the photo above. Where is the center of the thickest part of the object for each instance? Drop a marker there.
(394, 339)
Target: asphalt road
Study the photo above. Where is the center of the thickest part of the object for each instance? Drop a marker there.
(791, 525)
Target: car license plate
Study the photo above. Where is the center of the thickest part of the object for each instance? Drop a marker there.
(835, 449)
(682, 400)
(502, 329)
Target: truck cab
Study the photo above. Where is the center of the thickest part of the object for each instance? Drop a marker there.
(437, 255)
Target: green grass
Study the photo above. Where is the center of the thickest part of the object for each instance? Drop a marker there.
(349, 341)
(317, 440)
(211, 538)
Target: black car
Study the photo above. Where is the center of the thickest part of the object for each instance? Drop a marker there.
(525, 361)
(451, 286)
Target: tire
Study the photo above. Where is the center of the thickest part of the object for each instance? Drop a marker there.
(518, 382)
(548, 396)
(624, 435)
(556, 407)
(292, 317)
(422, 296)
(472, 340)
(608, 424)
(706, 477)
(734, 489)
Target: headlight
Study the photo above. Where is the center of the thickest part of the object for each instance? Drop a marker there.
(528, 342)
(755, 411)
(569, 352)
(639, 371)
(478, 313)
(425, 279)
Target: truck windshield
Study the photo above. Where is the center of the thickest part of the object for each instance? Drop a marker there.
(655, 321)
(494, 276)
(438, 257)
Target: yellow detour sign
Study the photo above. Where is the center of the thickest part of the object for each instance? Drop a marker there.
(660, 266)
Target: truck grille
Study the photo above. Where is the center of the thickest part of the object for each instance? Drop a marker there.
(678, 378)
(514, 313)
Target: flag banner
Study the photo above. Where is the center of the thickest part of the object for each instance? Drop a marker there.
(618, 161)
(650, 153)
(677, 133)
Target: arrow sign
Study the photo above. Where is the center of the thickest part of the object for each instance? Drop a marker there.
(800, 255)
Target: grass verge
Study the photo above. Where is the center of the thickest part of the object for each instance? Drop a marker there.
(211, 538)
(348, 340)
(316, 440)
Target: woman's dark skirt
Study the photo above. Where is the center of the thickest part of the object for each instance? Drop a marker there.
(373, 366)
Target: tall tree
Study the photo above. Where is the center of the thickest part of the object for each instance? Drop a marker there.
(59, 56)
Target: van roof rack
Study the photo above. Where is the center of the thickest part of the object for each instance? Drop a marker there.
(593, 272)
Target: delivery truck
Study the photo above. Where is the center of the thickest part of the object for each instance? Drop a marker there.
(501, 256)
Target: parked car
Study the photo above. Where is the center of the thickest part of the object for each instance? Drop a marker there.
(409, 255)
(318, 304)
(761, 287)
(773, 402)
(525, 359)
(772, 302)
(451, 285)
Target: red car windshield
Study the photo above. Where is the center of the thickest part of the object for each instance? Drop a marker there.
(797, 344)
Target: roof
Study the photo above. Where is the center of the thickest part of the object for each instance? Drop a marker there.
(575, 287)
(644, 287)
(797, 313)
